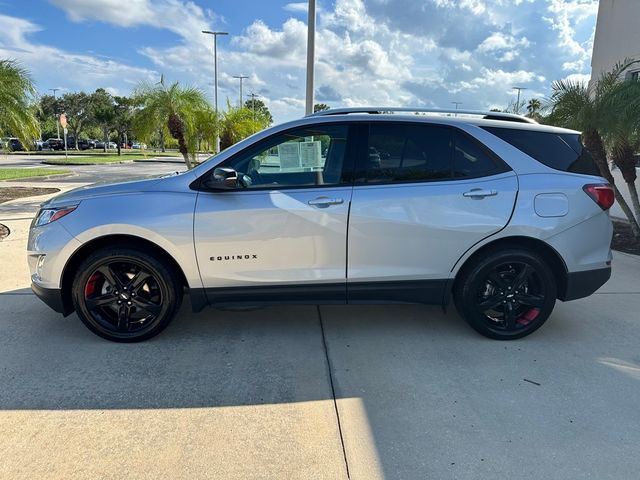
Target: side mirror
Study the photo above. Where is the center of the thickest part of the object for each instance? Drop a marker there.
(222, 179)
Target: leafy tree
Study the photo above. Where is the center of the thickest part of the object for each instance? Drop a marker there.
(587, 108)
(320, 107)
(123, 112)
(17, 103)
(174, 106)
(239, 123)
(77, 107)
(103, 112)
(258, 106)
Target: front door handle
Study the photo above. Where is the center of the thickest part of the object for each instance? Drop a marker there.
(324, 202)
(479, 193)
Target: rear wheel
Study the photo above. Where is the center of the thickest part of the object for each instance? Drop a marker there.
(506, 294)
(125, 295)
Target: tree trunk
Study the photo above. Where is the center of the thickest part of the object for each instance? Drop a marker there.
(593, 143)
(634, 198)
(624, 160)
(106, 138)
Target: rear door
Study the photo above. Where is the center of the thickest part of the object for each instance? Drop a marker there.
(282, 236)
(424, 194)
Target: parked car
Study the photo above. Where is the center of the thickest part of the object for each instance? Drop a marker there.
(83, 143)
(501, 215)
(110, 145)
(139, 146)
(53, 144)
(15, 145)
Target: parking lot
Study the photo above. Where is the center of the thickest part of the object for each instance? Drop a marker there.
(361, 392)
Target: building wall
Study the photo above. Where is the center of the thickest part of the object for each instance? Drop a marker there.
(617, 35)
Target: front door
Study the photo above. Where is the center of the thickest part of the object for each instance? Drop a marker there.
(281, 235)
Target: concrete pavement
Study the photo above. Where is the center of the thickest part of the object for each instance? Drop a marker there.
(397, 392)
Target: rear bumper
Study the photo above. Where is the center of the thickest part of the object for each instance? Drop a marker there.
(53, 298)
(583, 284)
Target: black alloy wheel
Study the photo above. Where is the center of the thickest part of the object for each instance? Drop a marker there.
(507, 295)
(125, 295)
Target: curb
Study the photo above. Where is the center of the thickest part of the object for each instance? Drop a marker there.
(4, 232)
(41, 177)
(57, 164)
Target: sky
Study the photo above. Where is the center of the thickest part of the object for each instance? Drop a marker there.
(417, 53)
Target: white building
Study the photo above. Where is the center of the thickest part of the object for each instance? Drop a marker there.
(617, 36)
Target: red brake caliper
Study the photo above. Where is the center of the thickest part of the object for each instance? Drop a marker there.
(529, 316)
(91, 285)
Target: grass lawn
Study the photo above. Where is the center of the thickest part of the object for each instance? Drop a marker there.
(93, 160)
(14, 173)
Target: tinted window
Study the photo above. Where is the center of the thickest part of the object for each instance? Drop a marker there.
(302, 157)
(470, 159)
(561, 152)
(408, 153)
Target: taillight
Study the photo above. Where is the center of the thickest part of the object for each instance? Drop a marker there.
(601, 193)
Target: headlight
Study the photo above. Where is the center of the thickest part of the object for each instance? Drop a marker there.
(48, 215)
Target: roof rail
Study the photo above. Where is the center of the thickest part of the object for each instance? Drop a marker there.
(382, 110)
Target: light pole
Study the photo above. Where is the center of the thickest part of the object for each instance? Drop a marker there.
(54, 90)
(518, 101)
(215, 76)
(253, 104)
(457, 104)
(311, 38)
(241, 78)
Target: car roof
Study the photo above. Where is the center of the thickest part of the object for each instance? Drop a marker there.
(440, 119)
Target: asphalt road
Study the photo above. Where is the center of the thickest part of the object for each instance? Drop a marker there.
(397, 392)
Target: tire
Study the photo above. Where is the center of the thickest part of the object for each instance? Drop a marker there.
(506, 294)
(126, 295)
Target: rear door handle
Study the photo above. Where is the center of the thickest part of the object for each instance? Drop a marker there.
(479, 193)
(324, 202)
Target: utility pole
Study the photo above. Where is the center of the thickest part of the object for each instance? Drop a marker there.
(457, 104)
(311, 40)
(54, 90)
(215, 76)
(253, 104)
(241, 78)
(519, 89)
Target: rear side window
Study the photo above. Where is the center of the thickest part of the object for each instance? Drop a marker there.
(398, 153)
(470, 159)
(562, 152)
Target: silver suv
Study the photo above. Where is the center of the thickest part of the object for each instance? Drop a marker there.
(348, 206)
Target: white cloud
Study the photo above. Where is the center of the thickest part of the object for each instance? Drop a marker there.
(297, 7)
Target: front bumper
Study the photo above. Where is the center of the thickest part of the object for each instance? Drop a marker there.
(53, 298)
(583, 284)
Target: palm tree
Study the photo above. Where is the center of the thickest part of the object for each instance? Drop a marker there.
(533, 108)
(580, 107)
(17, 103)
(172, 106)
(621, 124)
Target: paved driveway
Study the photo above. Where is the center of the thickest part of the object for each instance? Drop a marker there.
(333, 392)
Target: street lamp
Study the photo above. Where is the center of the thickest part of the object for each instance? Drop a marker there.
(215, 76)
(519, 89)
(241, 78)
(253, 104)
(311, 37)
(54, 90)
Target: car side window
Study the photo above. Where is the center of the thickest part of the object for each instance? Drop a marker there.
(307, 156)
(401, 153)
(470, 159)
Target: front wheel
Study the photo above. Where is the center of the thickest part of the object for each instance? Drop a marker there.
(125, 295)
(506, 294)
